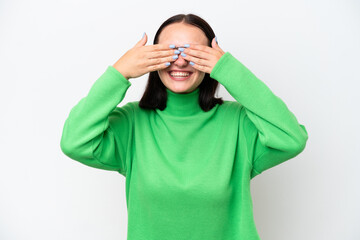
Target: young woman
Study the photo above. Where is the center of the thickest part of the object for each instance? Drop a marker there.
(187, 156)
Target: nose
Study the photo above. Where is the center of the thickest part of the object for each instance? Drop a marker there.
(180, 62)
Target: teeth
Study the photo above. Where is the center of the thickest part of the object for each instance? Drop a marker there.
(179, 74)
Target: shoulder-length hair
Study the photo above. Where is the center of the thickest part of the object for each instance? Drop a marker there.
(155, 95)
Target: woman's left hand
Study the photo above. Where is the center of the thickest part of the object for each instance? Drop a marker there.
(203, 56)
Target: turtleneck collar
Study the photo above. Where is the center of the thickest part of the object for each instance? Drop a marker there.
(182, 104)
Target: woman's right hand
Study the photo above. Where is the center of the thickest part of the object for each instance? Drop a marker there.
(142, 59)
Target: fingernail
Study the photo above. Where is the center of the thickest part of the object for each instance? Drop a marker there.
(175, 57)
(167, 64)
(216, 40)
(183, 54)
(181, 49)
(191, 63)
(171, 46)
(187, 45)
(177, 51)
(143, 35)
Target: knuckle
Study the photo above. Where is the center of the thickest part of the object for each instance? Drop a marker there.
(151, 68)
(158, 54)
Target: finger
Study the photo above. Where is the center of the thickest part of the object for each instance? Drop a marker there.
(142, 41)
(157, 61)
(162, 53)
(159, 66)
(196, 60)
(202, 68)
(199, 53)
(157, 47)
(200, 47)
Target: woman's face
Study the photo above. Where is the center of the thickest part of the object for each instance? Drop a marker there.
(180, 34)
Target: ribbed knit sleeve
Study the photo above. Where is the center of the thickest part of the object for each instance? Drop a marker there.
(97, 133)
(272, 131)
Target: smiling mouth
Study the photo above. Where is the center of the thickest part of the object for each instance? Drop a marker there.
(179, 75)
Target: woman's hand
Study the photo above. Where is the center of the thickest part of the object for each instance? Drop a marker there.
(142, 59)
(203, 56)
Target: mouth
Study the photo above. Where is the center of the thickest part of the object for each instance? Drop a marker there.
(180, 75)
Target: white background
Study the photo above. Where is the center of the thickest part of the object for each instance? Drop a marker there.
(51, 52)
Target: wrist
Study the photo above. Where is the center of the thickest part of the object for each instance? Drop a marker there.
(122, 72)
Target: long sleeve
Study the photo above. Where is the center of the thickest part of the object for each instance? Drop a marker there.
(273, 132)
(97, 133)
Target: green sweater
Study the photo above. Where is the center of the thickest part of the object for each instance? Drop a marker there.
(187, 171)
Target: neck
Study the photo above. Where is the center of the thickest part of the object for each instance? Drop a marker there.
(182, 104)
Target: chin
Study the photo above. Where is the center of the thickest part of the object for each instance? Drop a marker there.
(181, 89)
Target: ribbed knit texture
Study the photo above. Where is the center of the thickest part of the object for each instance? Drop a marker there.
(187, 171)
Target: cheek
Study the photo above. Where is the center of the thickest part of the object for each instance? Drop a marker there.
(200, 75)
(162, 73)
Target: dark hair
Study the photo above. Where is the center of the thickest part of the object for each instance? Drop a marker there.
(155, 95)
